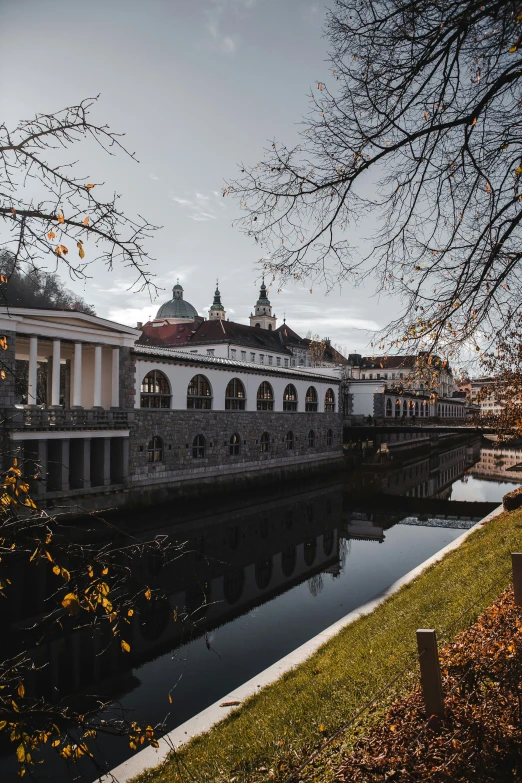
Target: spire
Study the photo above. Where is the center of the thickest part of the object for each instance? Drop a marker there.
(263, 298)
(217, 311)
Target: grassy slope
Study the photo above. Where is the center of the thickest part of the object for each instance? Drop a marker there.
(288, 719)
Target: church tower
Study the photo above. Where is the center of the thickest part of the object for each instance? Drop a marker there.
(217, 311)
(262, 317)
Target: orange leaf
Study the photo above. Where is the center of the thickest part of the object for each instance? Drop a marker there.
(125, 646)
(60, 218)
(89, 186)
(51, 235)
(86, 221)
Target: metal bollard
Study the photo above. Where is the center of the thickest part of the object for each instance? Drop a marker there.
(516, 565)
(430, 672)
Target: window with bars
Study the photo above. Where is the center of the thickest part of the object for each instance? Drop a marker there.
(311, 399)
(155, 449)
(265, 442)
(198, 447)
(199, 394)
(329, 437)
(311, 439)
(235, 396)
(289, 440)
(155, 391)
(235, 445)
(290, 398)
(265, 397)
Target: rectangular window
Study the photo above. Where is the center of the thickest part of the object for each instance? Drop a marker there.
(252, 357)
(364, 377)
(270, 359)
(261, 358)
(279, 361)
(286, 362)
(233, 353)
(393, 376)
(210, 352)
(293, 362)
(243, 356)
(371, 376)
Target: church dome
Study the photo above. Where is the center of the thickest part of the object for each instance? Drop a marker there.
(177, 307)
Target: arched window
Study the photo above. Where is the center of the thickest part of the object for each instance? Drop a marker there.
(155, 450)
(263, 573)
(265, 442)
(233, 583)
(311, 439)
(290, 398)
(397, 408)
(155, 390)
(265, 397)
(329, 401)
(310, 550)
(289, 440)
(258, 325)
(198, 447)
(288, 561)
(235, 396)
(388, 407)
(269, 327)
(234, 445)
(311, 399)
(328, 543)
(329, 437)
(416, 407)
(405, 408)
(199, 394)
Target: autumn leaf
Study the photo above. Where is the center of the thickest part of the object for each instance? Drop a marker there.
(89, 186)
(148, 594)
(71, 603)
(21, 690)
(60, 218)
(56, 570)
(51, 235)
(86, 221)
(125, 646)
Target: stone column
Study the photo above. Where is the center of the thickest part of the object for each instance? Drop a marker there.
(65, 465)
(77, 392)
(106, 472)
(115, 387)
(97, 376)
(41, 457)
(33, 367)
(55, 382)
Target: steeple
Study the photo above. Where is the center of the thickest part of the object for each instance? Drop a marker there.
(262, 316)
(217, 311)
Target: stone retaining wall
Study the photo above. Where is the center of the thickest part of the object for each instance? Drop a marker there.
(178, 429)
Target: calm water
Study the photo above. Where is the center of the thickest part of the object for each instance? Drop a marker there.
(274, 575)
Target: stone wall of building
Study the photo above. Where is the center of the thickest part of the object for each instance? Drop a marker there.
(178, 429)
(127, 379)
(7, 364)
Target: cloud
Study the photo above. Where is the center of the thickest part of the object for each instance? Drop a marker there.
(202, 208)
(217, 12)
(153, 176)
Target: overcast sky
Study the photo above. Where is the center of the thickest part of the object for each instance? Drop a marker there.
(198, 86)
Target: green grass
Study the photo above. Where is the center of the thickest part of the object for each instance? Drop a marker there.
(278, 727)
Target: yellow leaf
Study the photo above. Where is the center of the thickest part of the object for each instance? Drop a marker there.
(3, 724)
(105, 571)
(66, 575)
(170, 698)
(132, 745)
(125, 646)
(14, 705)
(86, 221)
(81, 252)
(21, 690)
(513, 49)
(130, 612)
(20, 754)
(393, 727)
(89, 186)
(55, 743)
(71, 603)
(56, 570)
(322, 728)
(51, 235)
(64, 249)
(148, 594)
(518, 171)
(58, 250)
(60, 218)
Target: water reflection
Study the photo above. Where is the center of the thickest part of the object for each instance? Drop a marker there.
(253, 582)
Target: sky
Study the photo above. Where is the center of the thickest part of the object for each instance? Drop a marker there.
(199, 87)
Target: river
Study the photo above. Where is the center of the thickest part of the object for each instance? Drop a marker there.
(271, 574)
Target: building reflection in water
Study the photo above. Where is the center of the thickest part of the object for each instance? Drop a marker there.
(232, 561)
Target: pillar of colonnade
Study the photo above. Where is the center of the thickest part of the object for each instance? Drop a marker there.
(78, 375)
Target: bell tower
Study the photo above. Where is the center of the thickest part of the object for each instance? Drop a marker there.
(217, 311)
(262, 316)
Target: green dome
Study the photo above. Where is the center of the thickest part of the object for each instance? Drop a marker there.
(177, 307)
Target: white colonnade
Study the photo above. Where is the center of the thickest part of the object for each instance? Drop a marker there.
(84, 384)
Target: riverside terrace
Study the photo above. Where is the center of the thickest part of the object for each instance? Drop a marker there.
(94, 414)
